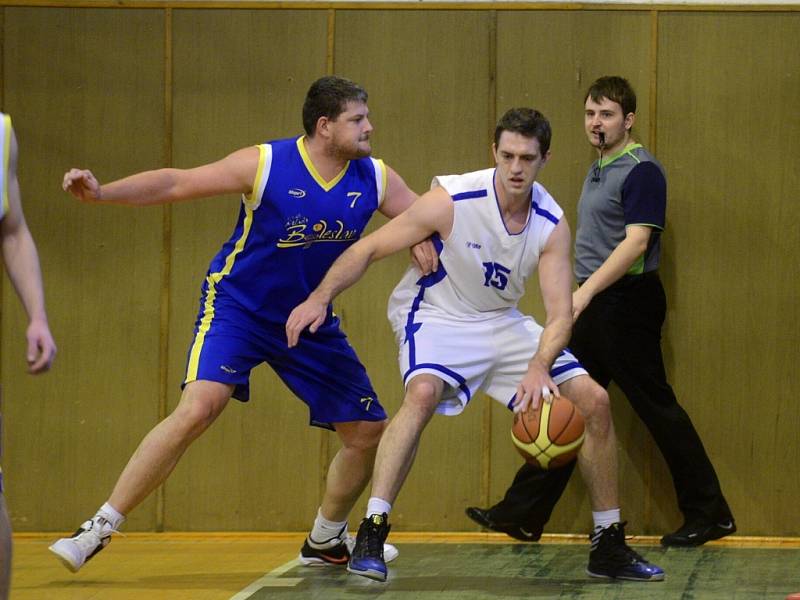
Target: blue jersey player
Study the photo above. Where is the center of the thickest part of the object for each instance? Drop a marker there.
(304, 201)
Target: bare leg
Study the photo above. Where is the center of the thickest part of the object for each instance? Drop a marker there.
(399, 444)
(351, 468)
(5, 550)
(598, 457)
(158, 453)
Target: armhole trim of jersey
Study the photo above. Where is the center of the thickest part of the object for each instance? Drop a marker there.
(5, 130)
(253, 199)
(381, 178)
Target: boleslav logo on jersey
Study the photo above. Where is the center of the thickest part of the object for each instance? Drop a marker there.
(297, 193)
(301, 232)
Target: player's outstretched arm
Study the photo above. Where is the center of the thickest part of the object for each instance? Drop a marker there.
(432, 213)
(555, 282)
(22, 264)
(233, 174)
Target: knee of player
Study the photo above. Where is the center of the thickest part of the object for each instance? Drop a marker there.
(423, 395)
(195, 416)
(596, 407)
(367, 436)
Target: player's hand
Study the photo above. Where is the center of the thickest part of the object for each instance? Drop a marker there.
(41, 347)
(310, 313)
(82, 184)
(580, 300)
(424, 257)
(536, 385)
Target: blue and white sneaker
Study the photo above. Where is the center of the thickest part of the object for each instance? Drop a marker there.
(367, 558)
(612, 558)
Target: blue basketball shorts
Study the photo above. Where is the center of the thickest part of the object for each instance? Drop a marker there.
(323, 370)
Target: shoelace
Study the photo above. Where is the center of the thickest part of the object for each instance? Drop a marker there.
(632, 555)
(373, 545)
(90, 537)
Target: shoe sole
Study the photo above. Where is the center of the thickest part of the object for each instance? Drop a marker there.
(308, 561)
(659, 577)
(64, 560)
(369, 574)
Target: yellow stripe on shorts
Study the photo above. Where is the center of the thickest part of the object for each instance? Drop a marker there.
(208, 310)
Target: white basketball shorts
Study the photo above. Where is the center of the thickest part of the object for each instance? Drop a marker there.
(491, 355)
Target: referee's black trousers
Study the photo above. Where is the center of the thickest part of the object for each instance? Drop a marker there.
(618, 338)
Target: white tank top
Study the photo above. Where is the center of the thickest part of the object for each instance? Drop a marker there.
(482, 267)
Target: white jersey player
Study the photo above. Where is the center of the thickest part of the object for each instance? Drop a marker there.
(461, 322)
(460, 330)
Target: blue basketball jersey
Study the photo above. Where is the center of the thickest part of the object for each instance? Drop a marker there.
(292, 228)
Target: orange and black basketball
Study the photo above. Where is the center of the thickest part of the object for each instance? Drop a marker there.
(550, 436)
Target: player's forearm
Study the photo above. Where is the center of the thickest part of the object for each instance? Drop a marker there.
(22, 264)
(345, 272)
(553, 340)
(149, 187)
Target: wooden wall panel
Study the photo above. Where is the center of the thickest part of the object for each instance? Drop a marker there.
(428, 78)
(90, 91)
(240, 78)
(728, 133)
(570, 49)
(84, 88)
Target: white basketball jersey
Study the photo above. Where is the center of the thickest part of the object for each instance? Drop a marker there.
(482, 267)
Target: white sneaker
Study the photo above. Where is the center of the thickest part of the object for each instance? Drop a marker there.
(91, 537)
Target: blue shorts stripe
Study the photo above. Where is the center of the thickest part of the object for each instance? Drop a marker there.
(462, 383)
(555, 372)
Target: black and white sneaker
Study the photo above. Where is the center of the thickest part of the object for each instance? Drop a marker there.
(88, 540)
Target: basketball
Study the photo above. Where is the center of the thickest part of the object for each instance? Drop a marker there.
(550, 436)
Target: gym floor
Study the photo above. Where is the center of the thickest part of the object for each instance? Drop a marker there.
(259, 566)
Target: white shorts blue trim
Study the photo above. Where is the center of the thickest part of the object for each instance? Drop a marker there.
(489, 355)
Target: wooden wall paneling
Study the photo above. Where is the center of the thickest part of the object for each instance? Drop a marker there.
(728, 90)
(563, 53)
(240, 78)
(84, 88)
(427, 75)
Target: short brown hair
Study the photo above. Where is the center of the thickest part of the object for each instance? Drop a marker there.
(328, 97)
(528, 122)
(614, 88)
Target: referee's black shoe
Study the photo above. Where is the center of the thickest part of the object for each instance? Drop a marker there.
(518, 531)
(698, 532)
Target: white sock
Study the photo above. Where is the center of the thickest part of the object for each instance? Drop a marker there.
(605, 518)
(325, 530)
(378, 506)
(112, 515)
